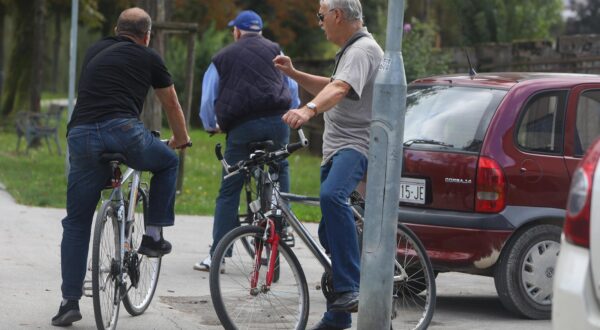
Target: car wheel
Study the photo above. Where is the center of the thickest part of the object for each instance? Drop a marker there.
(525, 272)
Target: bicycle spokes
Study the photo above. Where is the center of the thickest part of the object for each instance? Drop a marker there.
(258, 248)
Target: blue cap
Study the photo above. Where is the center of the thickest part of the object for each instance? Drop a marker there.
(247, 20)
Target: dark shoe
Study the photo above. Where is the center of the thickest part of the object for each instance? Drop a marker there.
(346, 302)
(154, 249)
(288, 238)
(67, 314)
(324, 326)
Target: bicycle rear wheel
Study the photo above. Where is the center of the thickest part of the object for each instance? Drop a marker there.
(283, 305)
(414, 283)
(106, 268)
(142, 271)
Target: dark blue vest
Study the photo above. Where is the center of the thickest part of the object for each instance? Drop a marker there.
(250, 86)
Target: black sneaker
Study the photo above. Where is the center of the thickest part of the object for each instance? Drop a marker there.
(154, 249)
(67, 314)
(346, 302)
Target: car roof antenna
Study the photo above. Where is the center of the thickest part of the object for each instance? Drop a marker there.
(472, 72)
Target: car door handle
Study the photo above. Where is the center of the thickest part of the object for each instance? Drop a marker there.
(523, 169)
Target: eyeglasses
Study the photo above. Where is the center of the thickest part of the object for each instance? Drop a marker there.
(321, 17)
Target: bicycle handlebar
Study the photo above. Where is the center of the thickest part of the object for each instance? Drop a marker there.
(266, 157)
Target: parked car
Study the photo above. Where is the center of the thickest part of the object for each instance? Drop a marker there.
(577, 276)
(488, 161)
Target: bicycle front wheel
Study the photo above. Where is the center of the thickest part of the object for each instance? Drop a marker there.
(282, 305)
(106, 268)
(414, 283)
(142, 271)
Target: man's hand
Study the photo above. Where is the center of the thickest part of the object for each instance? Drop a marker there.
(297, 117)
(178, 144)
(284, 64)
(168, 99)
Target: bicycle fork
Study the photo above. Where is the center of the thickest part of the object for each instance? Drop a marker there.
(272, 238)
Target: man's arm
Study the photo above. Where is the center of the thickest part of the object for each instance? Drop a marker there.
(210, 86)
(329, 96)
(313, 84)
(168, 99)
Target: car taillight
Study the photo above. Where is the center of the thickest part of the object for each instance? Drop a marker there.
(577, 222)
(490, 194)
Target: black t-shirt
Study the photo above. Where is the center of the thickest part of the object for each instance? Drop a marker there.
(117, 81)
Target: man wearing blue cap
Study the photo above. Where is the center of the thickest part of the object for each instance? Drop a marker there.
(244, 96)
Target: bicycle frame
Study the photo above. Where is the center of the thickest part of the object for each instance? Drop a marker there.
(303, 233)
(124, 219)
(299, 228)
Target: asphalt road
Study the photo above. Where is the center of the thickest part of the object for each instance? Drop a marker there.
(30, 281)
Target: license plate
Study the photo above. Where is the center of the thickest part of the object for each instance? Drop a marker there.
(412, 190)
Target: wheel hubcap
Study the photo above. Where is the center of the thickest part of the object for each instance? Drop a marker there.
(538, 270)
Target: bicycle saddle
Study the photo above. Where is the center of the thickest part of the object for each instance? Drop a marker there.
(261, 145)
(109, 157)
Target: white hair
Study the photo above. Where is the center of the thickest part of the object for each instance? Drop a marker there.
(351, 9)
(243, 32)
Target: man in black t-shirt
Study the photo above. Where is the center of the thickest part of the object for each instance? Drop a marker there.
(116, 75)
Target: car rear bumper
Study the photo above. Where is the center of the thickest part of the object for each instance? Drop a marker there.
(574, 304)
(467, 241)
(467, 250)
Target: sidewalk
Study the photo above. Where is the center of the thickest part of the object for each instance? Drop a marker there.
(30, 274)
(30, 281)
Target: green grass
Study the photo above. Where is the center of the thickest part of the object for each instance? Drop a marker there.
(38, 178)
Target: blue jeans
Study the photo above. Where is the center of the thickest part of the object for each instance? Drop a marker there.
(337, 231)
(236, 149)
(88, 176)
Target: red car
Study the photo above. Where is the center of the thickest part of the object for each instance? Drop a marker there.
(487, 167)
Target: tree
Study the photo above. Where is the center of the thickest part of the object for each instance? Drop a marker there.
(468, 22)
(587, 19)
(17, 86)
(2, 31)
(422, 59)
(37, 60)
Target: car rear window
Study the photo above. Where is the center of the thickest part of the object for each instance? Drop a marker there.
(449, 117)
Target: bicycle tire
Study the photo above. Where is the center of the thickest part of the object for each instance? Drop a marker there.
(284, 305)
(105, 268)
(414, 292)
(139, 297)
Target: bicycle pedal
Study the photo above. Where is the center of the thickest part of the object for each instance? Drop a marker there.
(289, 240)
(87, 288)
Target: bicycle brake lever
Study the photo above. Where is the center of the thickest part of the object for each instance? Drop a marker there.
(219, 155)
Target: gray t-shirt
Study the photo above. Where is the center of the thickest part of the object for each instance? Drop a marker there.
(347, 124)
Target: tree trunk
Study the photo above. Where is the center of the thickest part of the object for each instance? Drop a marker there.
(19, 71)
(56, 51)
(152, 113)
(2, 14)
(37, 60)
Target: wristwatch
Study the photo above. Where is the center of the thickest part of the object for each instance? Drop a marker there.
(312, 107)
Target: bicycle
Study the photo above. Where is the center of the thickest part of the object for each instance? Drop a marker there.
(119, 273)
(246, 296)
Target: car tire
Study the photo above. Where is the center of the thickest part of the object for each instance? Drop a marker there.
(523, 275)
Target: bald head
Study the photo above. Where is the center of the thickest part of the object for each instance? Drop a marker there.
(135, 22)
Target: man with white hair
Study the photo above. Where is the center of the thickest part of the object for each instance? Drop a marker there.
(346, 101)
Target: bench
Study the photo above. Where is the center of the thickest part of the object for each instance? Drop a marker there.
(34, 126)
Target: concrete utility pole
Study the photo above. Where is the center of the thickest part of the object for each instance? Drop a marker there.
(385, 165)
(72, 67)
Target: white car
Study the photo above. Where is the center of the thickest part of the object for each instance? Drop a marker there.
(577, 275)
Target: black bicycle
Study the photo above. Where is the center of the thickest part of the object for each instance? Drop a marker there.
(248, 296)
